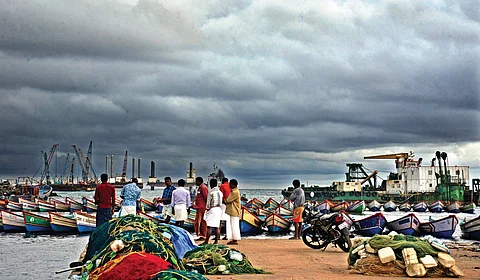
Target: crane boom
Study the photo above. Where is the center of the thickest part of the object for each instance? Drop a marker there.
(389, 156)
(82, 165)
(47, 161)
(88, 160)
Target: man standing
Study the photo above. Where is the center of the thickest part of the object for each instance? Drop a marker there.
(200, 205)
(214, 211)
(298, 198)
(233, 210)
(180, 203)
(225, 189)
(105, 199)
(131, 197)
(166, 199)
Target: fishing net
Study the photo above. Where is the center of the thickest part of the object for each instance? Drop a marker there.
(400, 241)
(135, 265)
(178, 275)
(217, 259)
(371, 265)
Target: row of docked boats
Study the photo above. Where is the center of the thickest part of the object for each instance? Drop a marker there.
(358, 207)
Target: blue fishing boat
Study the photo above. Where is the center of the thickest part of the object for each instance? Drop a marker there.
(468, 208)
(324, 206)
(63, 223)
(374, 206)
(471, 229)
(420, 207)
(441, 228)
(36, 223)
(254, 204)
(85, 222)
(73, 204)
(408, 225)
(405, 207)
(250, 223)
(371, 225)
(275, 223)
(283, 211)
(270, 205)
(436, 207)
(89, 205)
(263, 212)
(389, 206)
(453, 207)
(12, 221)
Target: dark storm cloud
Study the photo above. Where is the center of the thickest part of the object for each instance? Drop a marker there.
(269, 91)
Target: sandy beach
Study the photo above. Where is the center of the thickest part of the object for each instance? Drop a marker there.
(291, 259)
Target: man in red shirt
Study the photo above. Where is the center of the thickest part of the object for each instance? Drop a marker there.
(105, 199)
(225, 189)
(200, 205)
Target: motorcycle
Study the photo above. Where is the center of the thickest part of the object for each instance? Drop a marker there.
(322, 229)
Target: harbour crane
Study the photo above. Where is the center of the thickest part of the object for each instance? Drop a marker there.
(81, 159)
(47, 160)
(88, 164)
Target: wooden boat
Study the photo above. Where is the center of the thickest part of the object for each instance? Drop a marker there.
(374, 206)
(420, 207)
(60, 206)
(254, 204)
(74, 205)
(453, 207)
(408, 225)
(3, 204)
(89, 204)
(441, 228)
(12, 222)
(45, 206)
(263, 212)
(63, 223)
(357, 207)
(347, 218)
(468, 208)
(371, 225)
(277, 224)
(436, 207)
(36, 223)
(405, 207)
(324, 206)
(147, 205)
(270, 205)
(28, 205)
(287, 203)
(250, 224)
(471, 229)
(282, 211)
(85, 222)
(339, 206)
(14, 206)
(389, 206)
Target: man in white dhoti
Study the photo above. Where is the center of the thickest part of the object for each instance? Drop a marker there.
(180, 203)
(214, 211)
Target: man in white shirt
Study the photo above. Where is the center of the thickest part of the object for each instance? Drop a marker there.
(180, 203)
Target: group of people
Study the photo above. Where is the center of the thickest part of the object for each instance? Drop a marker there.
(220, 203)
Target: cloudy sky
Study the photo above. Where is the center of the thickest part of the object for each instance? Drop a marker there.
(268, 90)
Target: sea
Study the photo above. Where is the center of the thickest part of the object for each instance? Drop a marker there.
(25, 256)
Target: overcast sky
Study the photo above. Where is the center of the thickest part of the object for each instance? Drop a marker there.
(268, 90)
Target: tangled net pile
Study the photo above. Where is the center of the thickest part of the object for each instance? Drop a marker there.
(150, 250)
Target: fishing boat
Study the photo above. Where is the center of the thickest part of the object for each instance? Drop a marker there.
(36, 223)
(263, 212)
(374, 206)
(250, 223)
(405, 207)
(74, 205)
(347, 218)
(118, 203)
(436, 207)
(324, 206)
(283, 211)
(371, 225)
(471, 229)
(14, 206)
(441, 228)
(60, 206)
(3, 204)
(389, 206)
(12, 222)
(147, 205)
(254, 204)
(453, 207)
(270, 205)
(339, 206)
(468, 208)
(277, 224)
(287, 203)
(420, 207)
(63, 223)
(408, 225)
(45, 206)
(86, 222)
(356, 207)
(28, 205)
(89, 204)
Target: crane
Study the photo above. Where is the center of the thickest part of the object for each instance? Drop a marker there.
(67, 165)
(124, 170)
(88, 164)
(82, 162)
(47, 161)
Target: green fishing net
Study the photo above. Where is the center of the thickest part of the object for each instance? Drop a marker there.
(400, 242)
(210, 259)
(178, 275)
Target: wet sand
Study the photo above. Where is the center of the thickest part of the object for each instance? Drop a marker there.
(291, 259)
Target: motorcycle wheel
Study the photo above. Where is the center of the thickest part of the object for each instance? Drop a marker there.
(311, 239)
(344, 241)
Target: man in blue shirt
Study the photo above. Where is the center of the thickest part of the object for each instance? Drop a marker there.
(131, 196)
(166, 199)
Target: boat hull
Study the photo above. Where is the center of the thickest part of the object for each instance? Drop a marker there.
(420, 207)
(371, 225)
(36, 223)
(374, 206)
(12, 222)
(250, 223)
(441, 228)
(357, 207)
(407, 225)
(389, 206)
(63, 224)
(277, 224)
(471, 229)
